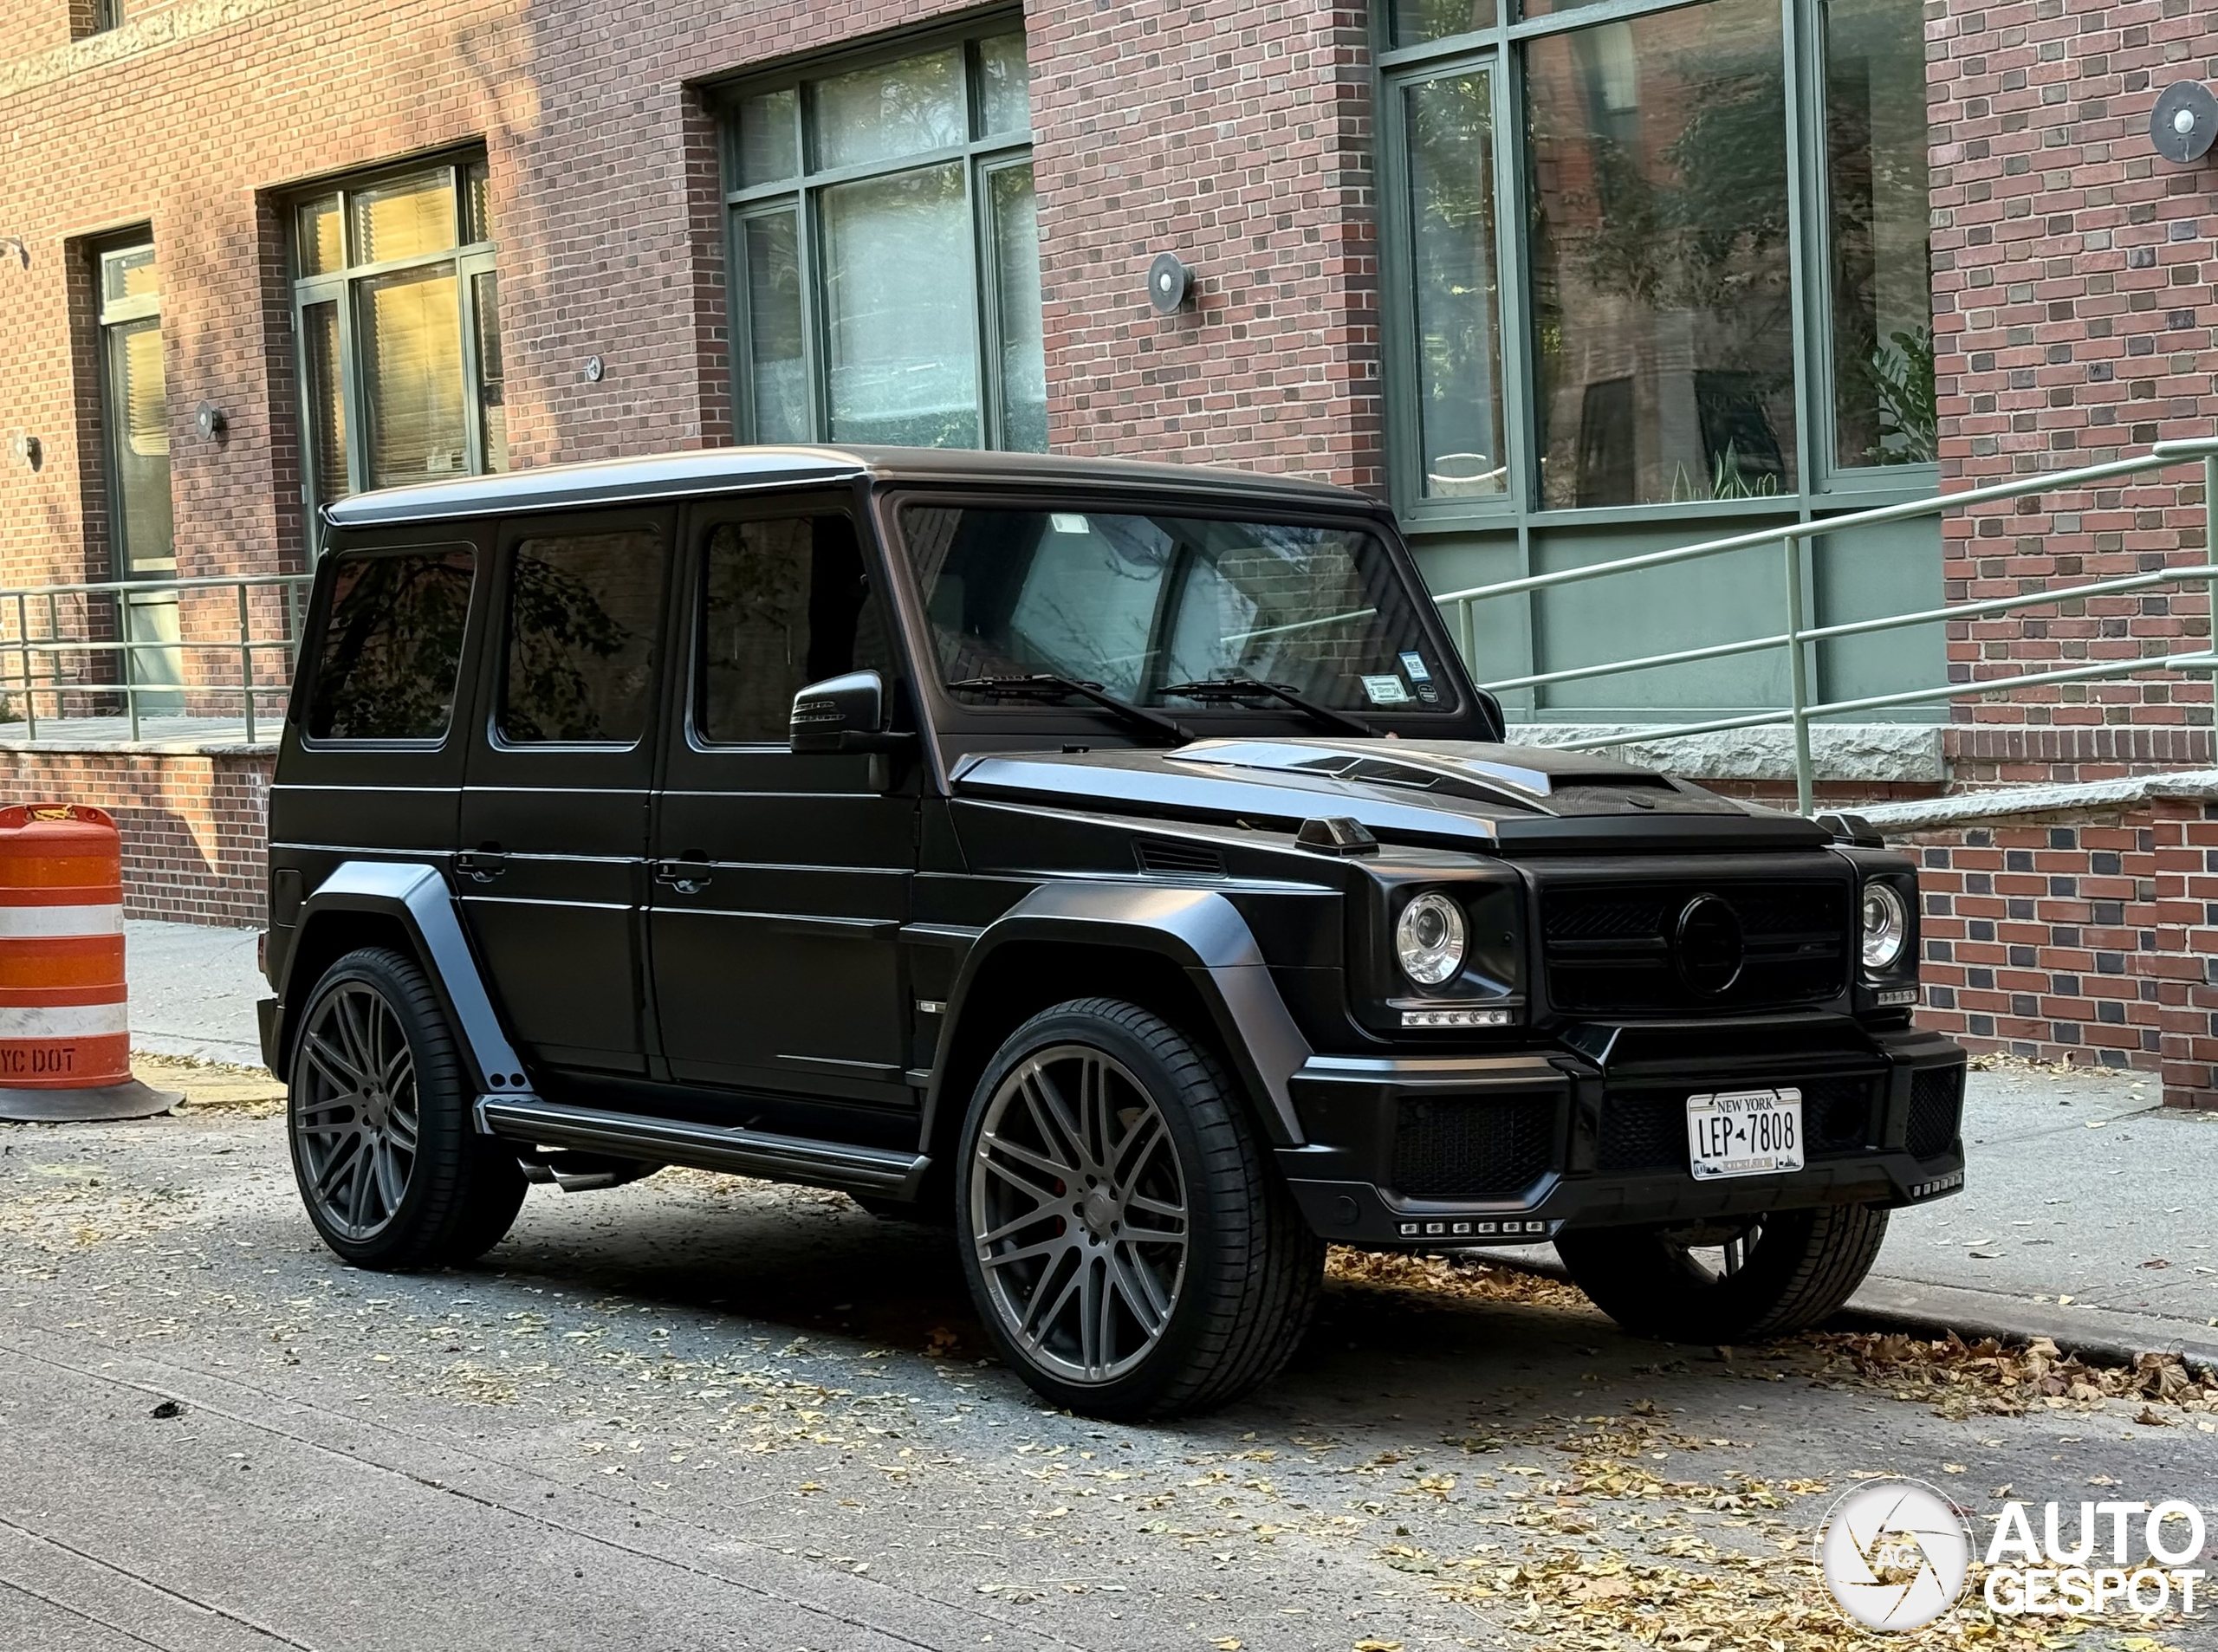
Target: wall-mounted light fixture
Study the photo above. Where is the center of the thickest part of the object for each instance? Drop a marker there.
(594, 370)
(18, 245)
(209, 420)
(1169, 283)
(28, 449)
(2184, 122)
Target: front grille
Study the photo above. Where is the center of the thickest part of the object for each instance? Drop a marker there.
(1472, 1149)
(1646, 1129)
(1188, 859)
(1936, 1105)
(1608, 947)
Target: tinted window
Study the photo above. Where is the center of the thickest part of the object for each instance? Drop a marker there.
(392, 647)
(1140, 603)
(785, 604)
(582, 616)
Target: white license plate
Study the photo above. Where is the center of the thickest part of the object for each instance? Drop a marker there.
(1744, 1132)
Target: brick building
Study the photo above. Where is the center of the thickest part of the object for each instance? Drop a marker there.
(1563, 286)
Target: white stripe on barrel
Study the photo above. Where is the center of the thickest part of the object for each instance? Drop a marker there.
(53, 922)
(64, 1020)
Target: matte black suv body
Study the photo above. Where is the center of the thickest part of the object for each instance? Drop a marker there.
(568, 883)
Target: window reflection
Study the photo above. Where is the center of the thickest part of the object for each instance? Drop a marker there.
(1661, 300)
(1450, 139)
(897, 261)
(1883, 406)
(412, 369)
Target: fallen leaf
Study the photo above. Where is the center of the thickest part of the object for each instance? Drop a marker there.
(1229, 1643)
(2156, 1261)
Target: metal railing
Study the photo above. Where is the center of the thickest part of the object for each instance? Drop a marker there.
(1798, 637)
(37, 623)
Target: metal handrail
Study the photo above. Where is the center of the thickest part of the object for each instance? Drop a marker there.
(29, 645)
(1797, 636)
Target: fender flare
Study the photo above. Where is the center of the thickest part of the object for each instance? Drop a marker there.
(1198, 930)
(419, 899)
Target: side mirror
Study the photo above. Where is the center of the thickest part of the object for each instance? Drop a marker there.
(842, 714)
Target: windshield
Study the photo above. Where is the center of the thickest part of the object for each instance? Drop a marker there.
(1140, 602)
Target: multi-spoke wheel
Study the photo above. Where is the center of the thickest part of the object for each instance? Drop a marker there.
(1725, 1281)
(1078, 1211)
(355, 1110)
(389, 1168)
(1129, 1245)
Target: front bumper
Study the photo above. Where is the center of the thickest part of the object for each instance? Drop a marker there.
(1590, 1132)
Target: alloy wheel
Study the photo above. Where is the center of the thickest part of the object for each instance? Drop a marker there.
(1078, 1214)
(355, 1112)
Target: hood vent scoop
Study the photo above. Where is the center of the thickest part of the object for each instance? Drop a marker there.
(1181, 859)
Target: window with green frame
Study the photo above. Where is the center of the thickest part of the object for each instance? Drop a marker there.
(1673, 254)
(886, 246)
(396, 307)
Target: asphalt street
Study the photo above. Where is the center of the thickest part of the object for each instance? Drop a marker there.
(700, 1413)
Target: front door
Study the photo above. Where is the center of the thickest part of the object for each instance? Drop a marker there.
(780, 881)
(551, 861)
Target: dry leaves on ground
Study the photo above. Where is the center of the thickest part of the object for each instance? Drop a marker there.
(1991, 1377)
(1458, 1276)
(213, 1086)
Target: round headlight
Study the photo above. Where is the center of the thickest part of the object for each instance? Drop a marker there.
(1429, 940)
(1886, 927)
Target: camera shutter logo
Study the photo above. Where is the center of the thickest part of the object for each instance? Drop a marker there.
(1894, 1553)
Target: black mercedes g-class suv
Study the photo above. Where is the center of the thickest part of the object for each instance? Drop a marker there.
(1114, 859)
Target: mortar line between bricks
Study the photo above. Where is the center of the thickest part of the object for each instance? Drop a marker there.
(145, 1582)
(529, 1516)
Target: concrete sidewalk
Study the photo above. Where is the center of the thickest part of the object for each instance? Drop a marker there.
(2086, 1216)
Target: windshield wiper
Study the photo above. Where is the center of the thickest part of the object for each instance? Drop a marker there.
(1246, 688)
(1046, 686)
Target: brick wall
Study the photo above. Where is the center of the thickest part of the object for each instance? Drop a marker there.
(2073, 320)
(195, 827)
(1238, 136)
(2086, 937)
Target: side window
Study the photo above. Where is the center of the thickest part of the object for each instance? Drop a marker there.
(583, 611)
(785, 603)
(392, 647)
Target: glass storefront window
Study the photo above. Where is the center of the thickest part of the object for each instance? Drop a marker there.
(1881, 265)
(888, 249)
(1661, 274)
(1458, 300)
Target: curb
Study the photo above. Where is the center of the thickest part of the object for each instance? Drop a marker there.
(2100, 1336)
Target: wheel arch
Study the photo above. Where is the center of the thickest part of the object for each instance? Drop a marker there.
(1185, 954)
(409, 909)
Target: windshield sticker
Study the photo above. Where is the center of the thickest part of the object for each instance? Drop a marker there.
(1421, 674)
(1066, 522)
(1386, 690)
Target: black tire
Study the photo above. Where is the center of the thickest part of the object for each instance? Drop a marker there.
(1249, 1269)
(1800, 1267)
(377, 1198)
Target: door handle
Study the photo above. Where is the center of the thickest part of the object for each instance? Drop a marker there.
(480, 865)
(686, 877)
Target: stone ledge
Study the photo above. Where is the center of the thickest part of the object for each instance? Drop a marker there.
(1870, 752)
(1938, 813)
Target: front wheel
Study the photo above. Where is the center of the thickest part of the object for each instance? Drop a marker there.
(1128, 1243)
(1742, 1280)
(391, 1170)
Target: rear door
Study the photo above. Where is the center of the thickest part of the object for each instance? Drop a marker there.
(372, 763)
(782, 880)
(552, 847)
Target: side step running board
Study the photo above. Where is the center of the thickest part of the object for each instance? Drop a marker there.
(886, 1172)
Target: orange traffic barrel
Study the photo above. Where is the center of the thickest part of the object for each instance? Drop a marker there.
(65, 1028)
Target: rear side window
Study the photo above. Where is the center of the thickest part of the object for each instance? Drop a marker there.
(785, 603)
(583, 611)
(393, 646)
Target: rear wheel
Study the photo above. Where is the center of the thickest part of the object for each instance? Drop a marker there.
(1127, 1241)
(1742, 1281)
(391, 1169)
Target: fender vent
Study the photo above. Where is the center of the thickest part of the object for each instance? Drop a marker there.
(1183, 859)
